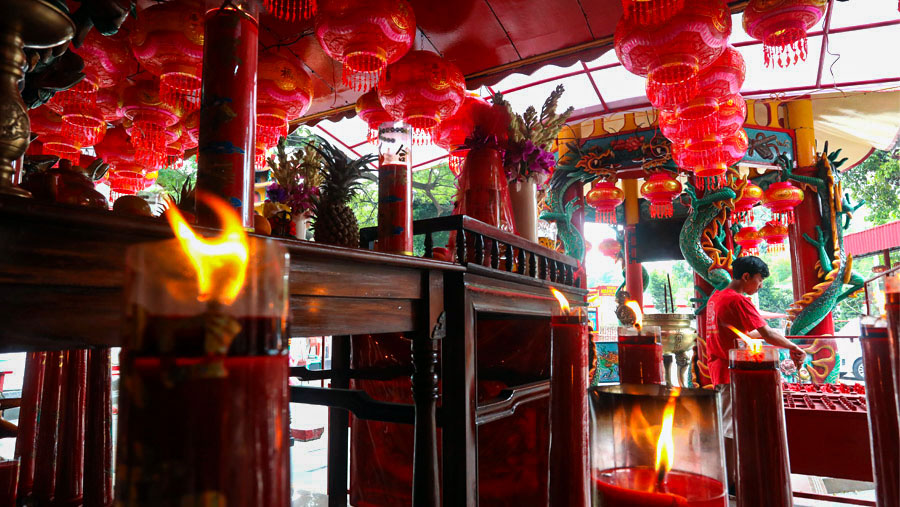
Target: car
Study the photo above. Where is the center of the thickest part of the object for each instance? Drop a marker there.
(850, 351)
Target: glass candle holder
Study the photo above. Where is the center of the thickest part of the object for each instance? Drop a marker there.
(9, 478)
(656, 446)
(763, 471)
(640, 355)
(882, 403)
(203, 416)
(395, 231)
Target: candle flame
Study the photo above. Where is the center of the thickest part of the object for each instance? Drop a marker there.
(665, 446)
(754, 345)
(220, 262)
(563, 302)
(638, 314)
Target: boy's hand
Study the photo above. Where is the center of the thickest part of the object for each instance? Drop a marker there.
(798, 355)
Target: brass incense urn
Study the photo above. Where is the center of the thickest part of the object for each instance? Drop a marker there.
(23, 23)
(678, 336)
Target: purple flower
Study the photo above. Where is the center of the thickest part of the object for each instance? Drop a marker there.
(276, 193)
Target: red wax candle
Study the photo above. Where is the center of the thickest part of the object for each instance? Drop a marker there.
(98, 479)
(70, 464)
(638, 487)
(640, 356)
(9, 477)
(882, 404)
(763, 471)
(26, 440)
(395, 229)
(569, 436)
(227, 145)
(892, 309)
(45, 453)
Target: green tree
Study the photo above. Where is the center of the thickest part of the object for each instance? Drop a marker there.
(877, 181)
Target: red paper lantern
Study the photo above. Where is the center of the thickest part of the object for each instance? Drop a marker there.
(152, 123)
(730, 116)
(710, 157)
(451, 134)
(167, 40)
(724, 76)
(661, 189)
(127, 179)
(284, 93)
(190, 126)
(743, 208)
(62, 147)
(369, 110)
(749, 240)
(673, 54)
(699, 117)
(669, 125)
(291, 10)
(651, 12)
(781, 26)
(116, 148)
(781, 198)
(422, 90)
(44, 120)
(108, 60)
(604, 196)
(610, 247)
(774, 233)
(365, 36)
(456, 160)
(110, 105)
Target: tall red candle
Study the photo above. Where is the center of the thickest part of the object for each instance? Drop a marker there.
(884, 431)
(569, 437)
(395, 229)
(763, 471)
(638, 487)
(227, 144)
(70, 463)
(892, 309)
(640, 356)
(98, 479)
(26, 441)
(45, 454)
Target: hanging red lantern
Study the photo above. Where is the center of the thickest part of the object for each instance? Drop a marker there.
(699, 117)
(116, 148)
(152, 123)
(774, 234)
(365, 36)
(175, 155)
(610, 247)
(284, 93)
(62, 147)
(451, 133)
(167, 40)
(710, 157)
(743, 208)
(672, 55)
(422, 90)
(724, 76)
(604, 196)
(259, 157)
(749, 240)
(661, 189)
(108, 59)
(127, 179)
(781, 198)
(781, 26)
(109, 104)
(669, 125)
(44, 120)
(651, 12)
(190, 126)
(291, 10)
(83, 123)
(731, 115)
(369, 110)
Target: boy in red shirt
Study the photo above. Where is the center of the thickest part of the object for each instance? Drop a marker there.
(729, 308)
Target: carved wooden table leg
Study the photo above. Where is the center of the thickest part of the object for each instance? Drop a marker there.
(426, 482)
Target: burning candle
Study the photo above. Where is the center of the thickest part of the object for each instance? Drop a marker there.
(203, 415)
(763, 472)
(640, 351)
(569, 437)
(653, 446)
(394, 189)
(883, 427)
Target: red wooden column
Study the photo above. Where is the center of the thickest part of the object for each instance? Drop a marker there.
(807, 215)
(634, 273)
(227, 145)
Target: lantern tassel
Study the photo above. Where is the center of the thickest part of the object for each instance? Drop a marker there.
(665, 210)
(786, 47)
(711, 182)
(291, 10)
(180, 91)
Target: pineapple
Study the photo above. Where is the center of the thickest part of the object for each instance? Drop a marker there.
(335, 223)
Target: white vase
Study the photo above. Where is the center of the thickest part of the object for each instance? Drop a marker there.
(301, 225)
(523, 197)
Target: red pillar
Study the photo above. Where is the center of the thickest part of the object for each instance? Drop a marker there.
(227, 146)
(634, 273)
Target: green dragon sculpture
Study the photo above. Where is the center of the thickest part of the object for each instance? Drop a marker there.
(815, 305)
(701, 238)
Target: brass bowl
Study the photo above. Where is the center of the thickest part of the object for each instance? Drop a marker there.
(677, 334)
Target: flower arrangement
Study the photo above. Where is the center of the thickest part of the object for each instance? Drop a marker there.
(297, 180)
(530, 136)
